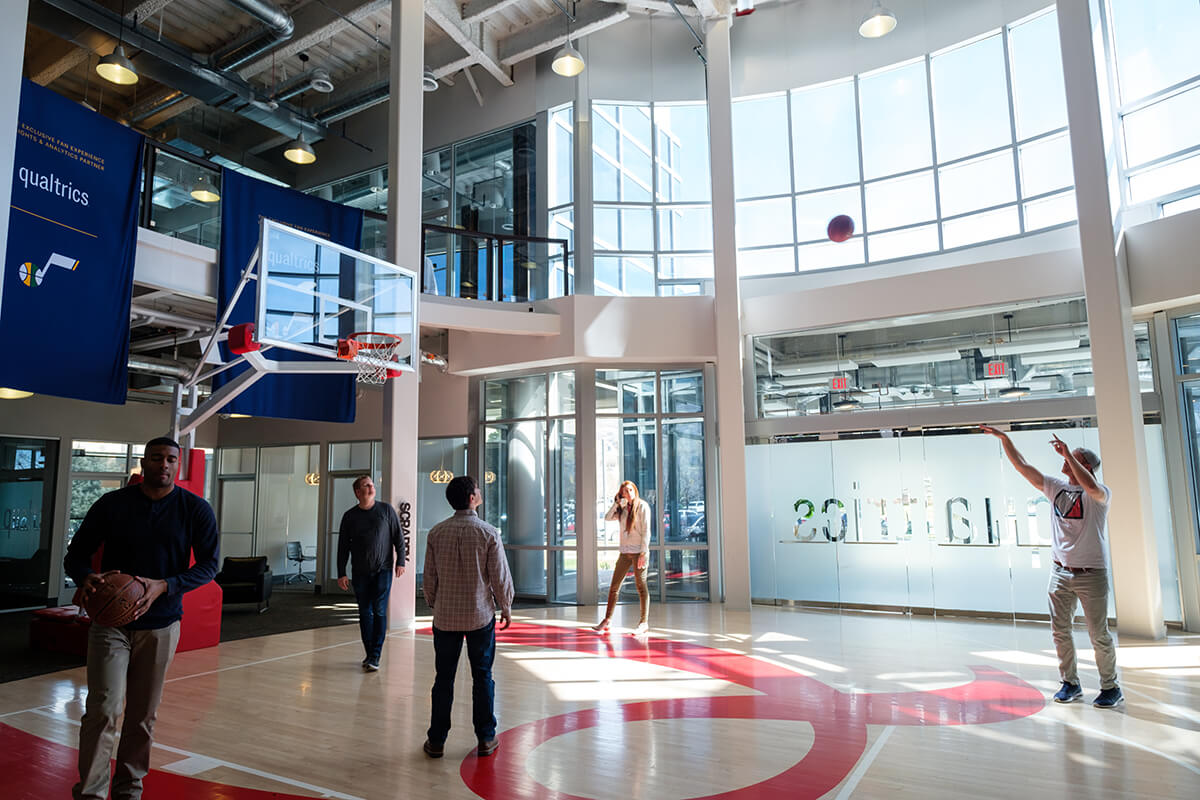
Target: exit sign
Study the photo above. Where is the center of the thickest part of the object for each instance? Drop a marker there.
(837, 384)
(997, 369)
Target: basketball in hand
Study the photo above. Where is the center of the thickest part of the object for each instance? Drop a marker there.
(114, 602)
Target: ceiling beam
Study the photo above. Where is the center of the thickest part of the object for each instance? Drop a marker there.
(313, 26)
(476, 10)
(552, 33)
(685, 7)
(477, 39)
(225, 149)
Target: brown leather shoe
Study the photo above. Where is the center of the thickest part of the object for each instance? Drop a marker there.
(488, 747)
(433, 750)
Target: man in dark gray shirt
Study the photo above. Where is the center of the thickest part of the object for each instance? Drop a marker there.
(368, 536)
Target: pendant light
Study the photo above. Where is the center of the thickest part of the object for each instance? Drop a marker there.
(116, 66)
(568, 61)
(204, 190)
(879, 21)
(300, 151)
(13, 394)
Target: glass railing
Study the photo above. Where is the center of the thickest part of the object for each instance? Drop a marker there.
(492, 266)
(181, 198)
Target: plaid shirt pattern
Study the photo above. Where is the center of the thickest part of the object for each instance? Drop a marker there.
(466, 573)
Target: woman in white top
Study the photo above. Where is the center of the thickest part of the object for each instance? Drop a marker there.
(633, 514)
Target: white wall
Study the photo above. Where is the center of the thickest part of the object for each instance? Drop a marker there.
(1164, 262)
(636, 330)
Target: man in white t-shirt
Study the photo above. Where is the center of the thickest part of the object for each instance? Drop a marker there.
(1080, 570)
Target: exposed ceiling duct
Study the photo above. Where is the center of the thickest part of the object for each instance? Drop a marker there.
(169, 65)
(316, 80)
(371, 96)
(279, 28)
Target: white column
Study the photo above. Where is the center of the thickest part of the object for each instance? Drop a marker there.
(1110, 328)
(731, 418)
(586, 589)
(12, 54)
(581, 143)
(405, 135)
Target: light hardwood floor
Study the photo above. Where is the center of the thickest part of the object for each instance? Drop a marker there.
(770, 703)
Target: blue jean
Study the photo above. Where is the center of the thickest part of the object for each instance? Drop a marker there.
(371, 592)
(481, 652)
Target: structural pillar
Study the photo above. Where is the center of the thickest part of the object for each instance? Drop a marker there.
(12, 55)
(405, 136)
(731, 416)
(1110, 327)
(581, 184)
(589, 510)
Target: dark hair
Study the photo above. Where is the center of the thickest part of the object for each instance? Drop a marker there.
(459, 492)
(359, 480)
(161, 440)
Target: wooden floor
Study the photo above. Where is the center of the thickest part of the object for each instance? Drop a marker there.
(771, 703)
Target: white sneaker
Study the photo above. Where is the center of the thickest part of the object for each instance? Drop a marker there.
(642, 627)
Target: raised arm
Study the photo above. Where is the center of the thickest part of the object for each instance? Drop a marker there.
(1014, 456)
(614, 512)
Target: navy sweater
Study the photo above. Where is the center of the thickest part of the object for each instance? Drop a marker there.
(150, 539)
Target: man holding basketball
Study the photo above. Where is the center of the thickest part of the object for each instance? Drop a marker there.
(149, 531)
(1079, 574)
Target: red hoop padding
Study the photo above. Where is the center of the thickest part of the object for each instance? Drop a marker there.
(241, 339)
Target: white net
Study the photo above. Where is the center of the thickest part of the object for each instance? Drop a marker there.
(376, 356)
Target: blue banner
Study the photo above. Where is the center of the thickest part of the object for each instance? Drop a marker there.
(244, 200)
(72, 234)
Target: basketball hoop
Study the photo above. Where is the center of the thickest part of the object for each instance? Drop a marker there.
(374, 353)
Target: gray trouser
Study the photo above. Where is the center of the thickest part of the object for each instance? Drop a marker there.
(127, 668)
(1090, 589)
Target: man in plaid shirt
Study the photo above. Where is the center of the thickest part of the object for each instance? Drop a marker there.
(466, 580)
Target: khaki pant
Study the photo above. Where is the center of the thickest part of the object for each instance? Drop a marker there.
(124, 668)
(625, 562)
(1090, 590)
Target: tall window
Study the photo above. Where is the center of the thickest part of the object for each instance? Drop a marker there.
(961, 146)
(652, 215)
(650, 430)
(561, 172)
(529, 479)
(1156, 94)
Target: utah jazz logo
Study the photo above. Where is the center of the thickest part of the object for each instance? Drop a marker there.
(32, 275)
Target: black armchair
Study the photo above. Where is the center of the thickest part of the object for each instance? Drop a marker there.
(246, 579)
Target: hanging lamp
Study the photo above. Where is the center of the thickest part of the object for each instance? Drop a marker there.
(116, 66)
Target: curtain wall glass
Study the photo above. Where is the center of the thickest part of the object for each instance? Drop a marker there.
(650, 430)
(962, 146)
(529, 479)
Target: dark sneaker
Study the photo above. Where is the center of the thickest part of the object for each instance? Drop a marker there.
(1069, 693)
(433, 750)
(488, 747)
(1109, 698)
(371, 666)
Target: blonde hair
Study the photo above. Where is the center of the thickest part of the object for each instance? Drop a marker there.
(633, 499)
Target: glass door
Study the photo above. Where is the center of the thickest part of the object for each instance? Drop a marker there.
(27, 471)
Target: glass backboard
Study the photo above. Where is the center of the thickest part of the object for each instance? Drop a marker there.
(312, 292)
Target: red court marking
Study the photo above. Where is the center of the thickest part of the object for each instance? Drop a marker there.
(36, 769)
(839, 719)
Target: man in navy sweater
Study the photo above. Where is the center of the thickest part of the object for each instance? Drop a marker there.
(148, 530)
